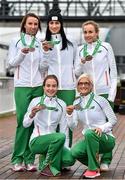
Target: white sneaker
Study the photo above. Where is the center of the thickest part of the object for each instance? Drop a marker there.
(104, 167)
(18, 168)
(30, 167)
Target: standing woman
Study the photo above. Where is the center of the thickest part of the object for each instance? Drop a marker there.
(25, 56)
(97, 59)
(61, 58)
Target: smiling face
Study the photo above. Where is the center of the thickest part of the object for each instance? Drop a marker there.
(51, 87)
(31, 25)
(84, 86)
(90, 33)
(54, 27)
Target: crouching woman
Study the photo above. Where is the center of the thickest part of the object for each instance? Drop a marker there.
(98, 118)
(46, 113)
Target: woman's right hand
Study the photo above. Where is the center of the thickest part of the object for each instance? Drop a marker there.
(83, 61)
(69, 109)
(46, 45)
(25, 50)
(35, 110)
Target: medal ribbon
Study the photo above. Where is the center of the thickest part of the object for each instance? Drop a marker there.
(31, 45)
(87, 106)
(46, 107)
(52, 42)
(85, 53)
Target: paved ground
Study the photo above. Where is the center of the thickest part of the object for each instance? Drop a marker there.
(7, 131)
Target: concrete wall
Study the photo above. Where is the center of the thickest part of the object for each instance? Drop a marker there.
(118, 40)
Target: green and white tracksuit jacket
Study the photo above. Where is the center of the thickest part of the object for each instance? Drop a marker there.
(46, 121)
(102, 69)
(62, 63)
(99, 114)
(44, 139)
(27, 66)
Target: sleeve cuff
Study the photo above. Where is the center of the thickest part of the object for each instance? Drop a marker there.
(45, 52)
(69, 115)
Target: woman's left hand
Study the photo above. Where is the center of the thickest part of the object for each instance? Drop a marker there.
(98, 131)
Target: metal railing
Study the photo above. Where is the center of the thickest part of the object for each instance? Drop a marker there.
(70, 9)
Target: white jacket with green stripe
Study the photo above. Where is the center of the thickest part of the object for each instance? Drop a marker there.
(27, 66)
(102, 69)
(62, 63)
(98, 115)
(46, 121)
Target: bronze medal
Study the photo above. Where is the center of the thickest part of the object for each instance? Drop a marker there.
(42, 106)
(31, 49)
(77, 107)
(96, 50)
(88, 58)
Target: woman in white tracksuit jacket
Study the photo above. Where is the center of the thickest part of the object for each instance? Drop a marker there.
(102, 66)
(97, 117)
(96, 58)
(61, 57)
(47, 112)
(25, 56)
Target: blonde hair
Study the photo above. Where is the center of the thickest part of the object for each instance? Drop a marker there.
(85, 75)
(96, 25)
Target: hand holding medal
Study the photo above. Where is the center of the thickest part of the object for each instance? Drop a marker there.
(46, 45)
(83, 60)
(35, 109)
(25, 50)
(87, 56)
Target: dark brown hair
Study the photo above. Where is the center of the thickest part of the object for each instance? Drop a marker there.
(52, 76)
(22, 28)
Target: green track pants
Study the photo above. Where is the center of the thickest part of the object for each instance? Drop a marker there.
(21, 151)
(87, 150)
(53, 153)
(68, 96)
